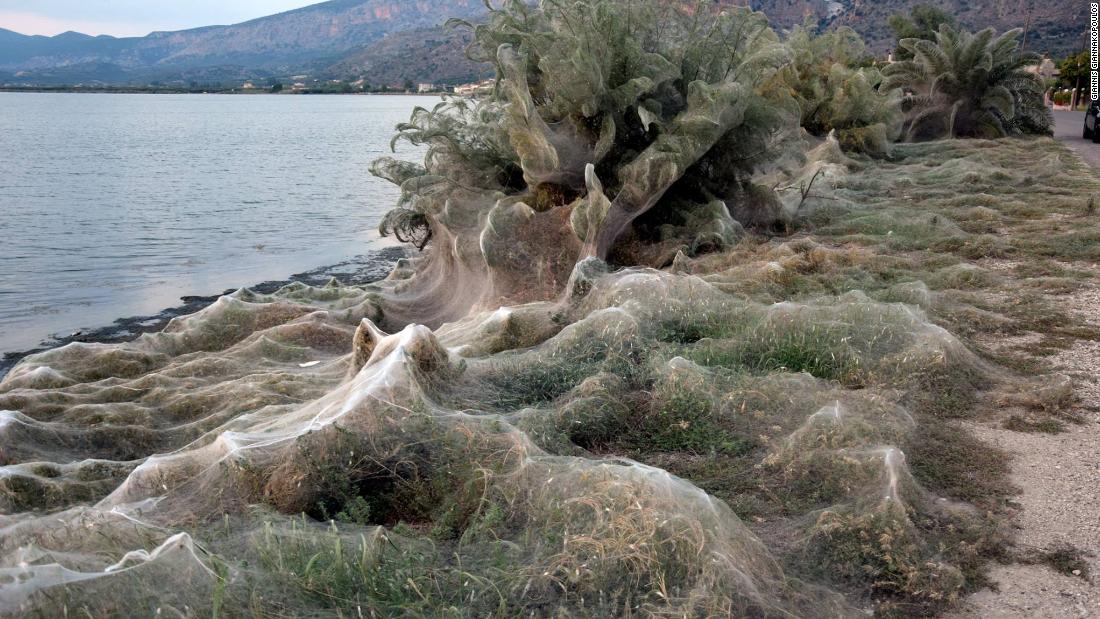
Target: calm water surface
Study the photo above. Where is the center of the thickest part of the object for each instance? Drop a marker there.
(117, 205)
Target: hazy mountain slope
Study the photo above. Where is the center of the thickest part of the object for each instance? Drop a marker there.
(389, 41)
(1056, 25)
(291, 38)
(435, 55)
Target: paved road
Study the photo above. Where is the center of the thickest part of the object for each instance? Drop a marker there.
(1067, 129)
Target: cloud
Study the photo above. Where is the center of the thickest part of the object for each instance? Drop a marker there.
(33, 23)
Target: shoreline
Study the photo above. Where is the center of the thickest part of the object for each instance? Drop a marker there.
(358, 270)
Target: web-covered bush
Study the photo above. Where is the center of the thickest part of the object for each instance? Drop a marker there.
(835, 93)
(612, 122)
(969, 85)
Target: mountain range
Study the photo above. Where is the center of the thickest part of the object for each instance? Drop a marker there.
(395, 41)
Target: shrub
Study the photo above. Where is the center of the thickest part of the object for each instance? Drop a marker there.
(969, 85)
(922, 22)
(607, 116)
(834, 95)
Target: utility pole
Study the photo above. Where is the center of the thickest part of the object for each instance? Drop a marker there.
(1077, 87)
(1027, 24)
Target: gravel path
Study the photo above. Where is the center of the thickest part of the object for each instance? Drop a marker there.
(1059, 476)
(1060, 504)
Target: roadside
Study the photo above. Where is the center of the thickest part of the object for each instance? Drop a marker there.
(1059, 505)
(1058, 474)
(1067, 130)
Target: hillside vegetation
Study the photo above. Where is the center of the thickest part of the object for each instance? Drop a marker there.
(388, 41)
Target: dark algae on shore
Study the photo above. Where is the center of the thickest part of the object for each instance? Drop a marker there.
(358, 270)
(635, 371)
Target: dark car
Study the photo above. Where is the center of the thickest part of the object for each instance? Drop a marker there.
(1092, 132)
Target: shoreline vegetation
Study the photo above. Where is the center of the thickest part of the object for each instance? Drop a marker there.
(701, 322)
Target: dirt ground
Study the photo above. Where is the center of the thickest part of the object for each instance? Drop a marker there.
(1059, 479)
(1059, 476)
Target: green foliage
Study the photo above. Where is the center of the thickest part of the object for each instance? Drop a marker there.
(969, 85)
(786, 344)
(1073, 71)
(923, 22)
(335, 571)
(537, 384)
(683, 419)
(357, 510)
(834, 95)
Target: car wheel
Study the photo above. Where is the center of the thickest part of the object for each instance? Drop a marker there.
(1095, 136)
(1085, 133)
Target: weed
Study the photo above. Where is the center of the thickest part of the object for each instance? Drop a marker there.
(1066, 560)
(1018, 423)
(950, 462)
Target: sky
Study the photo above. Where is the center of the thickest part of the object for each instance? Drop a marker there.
(132, 17)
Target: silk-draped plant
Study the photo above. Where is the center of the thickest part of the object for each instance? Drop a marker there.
(836, 94)
(610, 118)
(968, 85)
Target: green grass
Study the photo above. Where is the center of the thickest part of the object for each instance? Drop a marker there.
(950, 462)
(683, 421)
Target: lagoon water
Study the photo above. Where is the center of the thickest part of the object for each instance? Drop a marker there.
(116, 205)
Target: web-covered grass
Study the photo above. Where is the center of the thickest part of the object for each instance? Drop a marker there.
(772, 430)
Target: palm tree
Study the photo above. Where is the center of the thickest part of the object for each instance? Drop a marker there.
(968, 85)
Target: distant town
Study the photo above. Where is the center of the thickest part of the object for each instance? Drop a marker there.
(1065, 88)
(297, 84)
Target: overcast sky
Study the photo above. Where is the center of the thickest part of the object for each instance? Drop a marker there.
(132, 17)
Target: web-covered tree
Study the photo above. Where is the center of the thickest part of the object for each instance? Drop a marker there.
(969, 85)
(613, 123)
(837, 89)
(922, 22)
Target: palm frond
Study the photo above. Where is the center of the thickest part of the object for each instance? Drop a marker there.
(978, 79)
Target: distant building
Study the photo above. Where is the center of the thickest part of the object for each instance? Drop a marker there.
(425, 87)
(484, 87)
(298, 87)
(248, 86)
(1045, 69)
